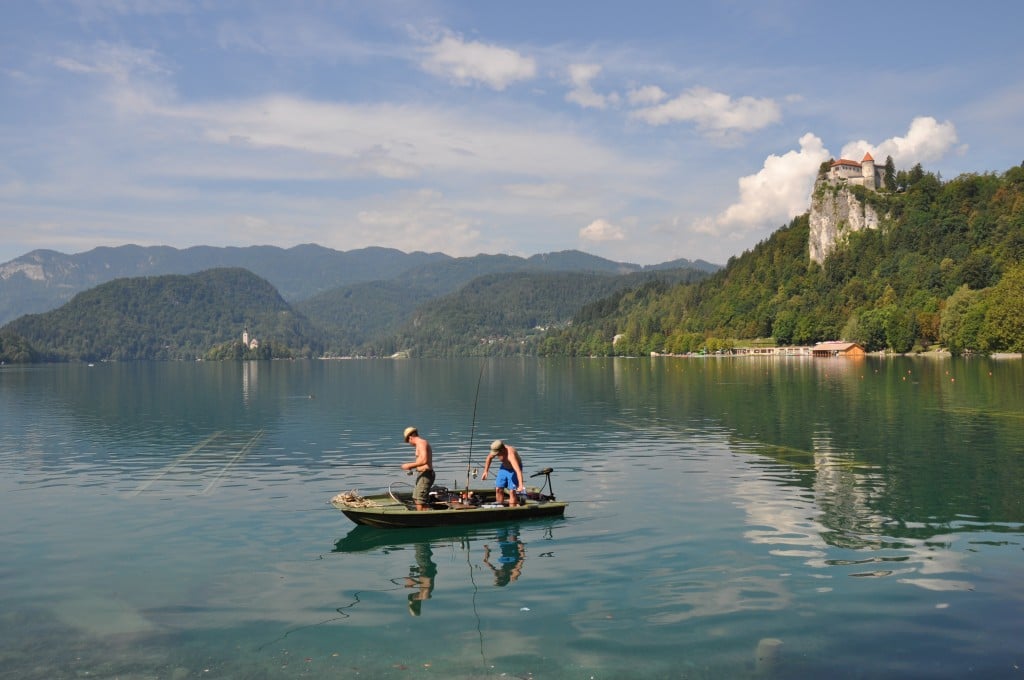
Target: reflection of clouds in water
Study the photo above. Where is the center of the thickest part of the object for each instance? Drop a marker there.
(838, 515)
(938, 584)
(780, 515)
(937, 559)
(696, 597)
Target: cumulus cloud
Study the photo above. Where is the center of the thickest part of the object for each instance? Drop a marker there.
(601, 230)
(714, 113)
(647, 95)
(466, 63)
(926, 140)
(582, 92)
(777, 192)
(781, 189)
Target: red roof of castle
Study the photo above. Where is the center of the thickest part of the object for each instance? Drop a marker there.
(867, 157)
(845, 161)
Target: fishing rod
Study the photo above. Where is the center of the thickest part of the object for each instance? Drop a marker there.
(472, 429)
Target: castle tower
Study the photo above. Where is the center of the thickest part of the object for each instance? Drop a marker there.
(867, 168)
(245, 336)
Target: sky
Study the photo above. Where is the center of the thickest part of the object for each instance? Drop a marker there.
(641, 131)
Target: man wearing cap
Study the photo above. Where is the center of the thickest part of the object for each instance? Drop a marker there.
(424, 464)
(510, 474)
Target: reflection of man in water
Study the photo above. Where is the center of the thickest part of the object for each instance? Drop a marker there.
(421, 577)
(510, 561)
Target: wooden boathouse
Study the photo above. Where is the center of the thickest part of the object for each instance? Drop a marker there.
(838, 348)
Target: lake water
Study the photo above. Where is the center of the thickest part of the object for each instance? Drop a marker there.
(728, 517)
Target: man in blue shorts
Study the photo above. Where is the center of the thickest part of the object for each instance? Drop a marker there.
(510, 473)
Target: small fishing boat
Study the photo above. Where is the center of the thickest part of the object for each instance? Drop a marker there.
(396, 509)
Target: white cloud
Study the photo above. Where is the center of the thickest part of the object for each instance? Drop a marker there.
(582, 92)
(396, 141)
(778, 192)
(713, 112)
(781, 189)
(469, 62)
(926, 140)
(120, 63)
(601, 230)
(134, 79)
(647, 95)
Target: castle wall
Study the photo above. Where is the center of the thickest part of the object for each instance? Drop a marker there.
(868, 174)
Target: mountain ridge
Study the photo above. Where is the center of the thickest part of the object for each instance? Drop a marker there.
(44, 279)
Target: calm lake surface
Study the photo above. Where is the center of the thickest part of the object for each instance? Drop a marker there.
(729, 517)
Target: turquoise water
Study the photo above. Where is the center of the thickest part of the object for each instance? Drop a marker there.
(748, 517)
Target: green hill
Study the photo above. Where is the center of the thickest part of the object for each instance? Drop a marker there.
(355, 315)
(944, 268)
(361, 317)
(168, 317)
(507, 314)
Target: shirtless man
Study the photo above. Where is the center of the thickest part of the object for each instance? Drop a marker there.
(510, 474)
(424, 465)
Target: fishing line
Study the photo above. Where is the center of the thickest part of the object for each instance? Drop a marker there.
(472, 429)
(342, 614)
(476, 589)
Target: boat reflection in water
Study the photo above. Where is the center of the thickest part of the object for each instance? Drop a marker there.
(500, 549)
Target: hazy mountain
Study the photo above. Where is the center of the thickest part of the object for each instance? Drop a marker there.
(45, 279)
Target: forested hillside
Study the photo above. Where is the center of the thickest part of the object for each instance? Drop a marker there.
(944, 268)
(356, 315)
(169, 317)
(507, 314)
(369, 317)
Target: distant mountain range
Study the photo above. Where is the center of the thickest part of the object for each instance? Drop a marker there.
(129, 303)
(45, 279)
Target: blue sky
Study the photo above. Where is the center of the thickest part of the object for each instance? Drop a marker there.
(639, 131)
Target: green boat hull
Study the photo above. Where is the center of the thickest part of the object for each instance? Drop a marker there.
(395, 512)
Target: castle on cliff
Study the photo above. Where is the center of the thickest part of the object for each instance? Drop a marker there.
(836, 214)
(865, 173)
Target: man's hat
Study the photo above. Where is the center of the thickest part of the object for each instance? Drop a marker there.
(409, 431)
(497, 445)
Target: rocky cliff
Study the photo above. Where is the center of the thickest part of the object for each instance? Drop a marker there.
(835, 213)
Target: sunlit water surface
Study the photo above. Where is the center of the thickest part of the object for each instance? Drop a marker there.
(728, 517)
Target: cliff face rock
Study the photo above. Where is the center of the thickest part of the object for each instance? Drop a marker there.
(835, 213)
